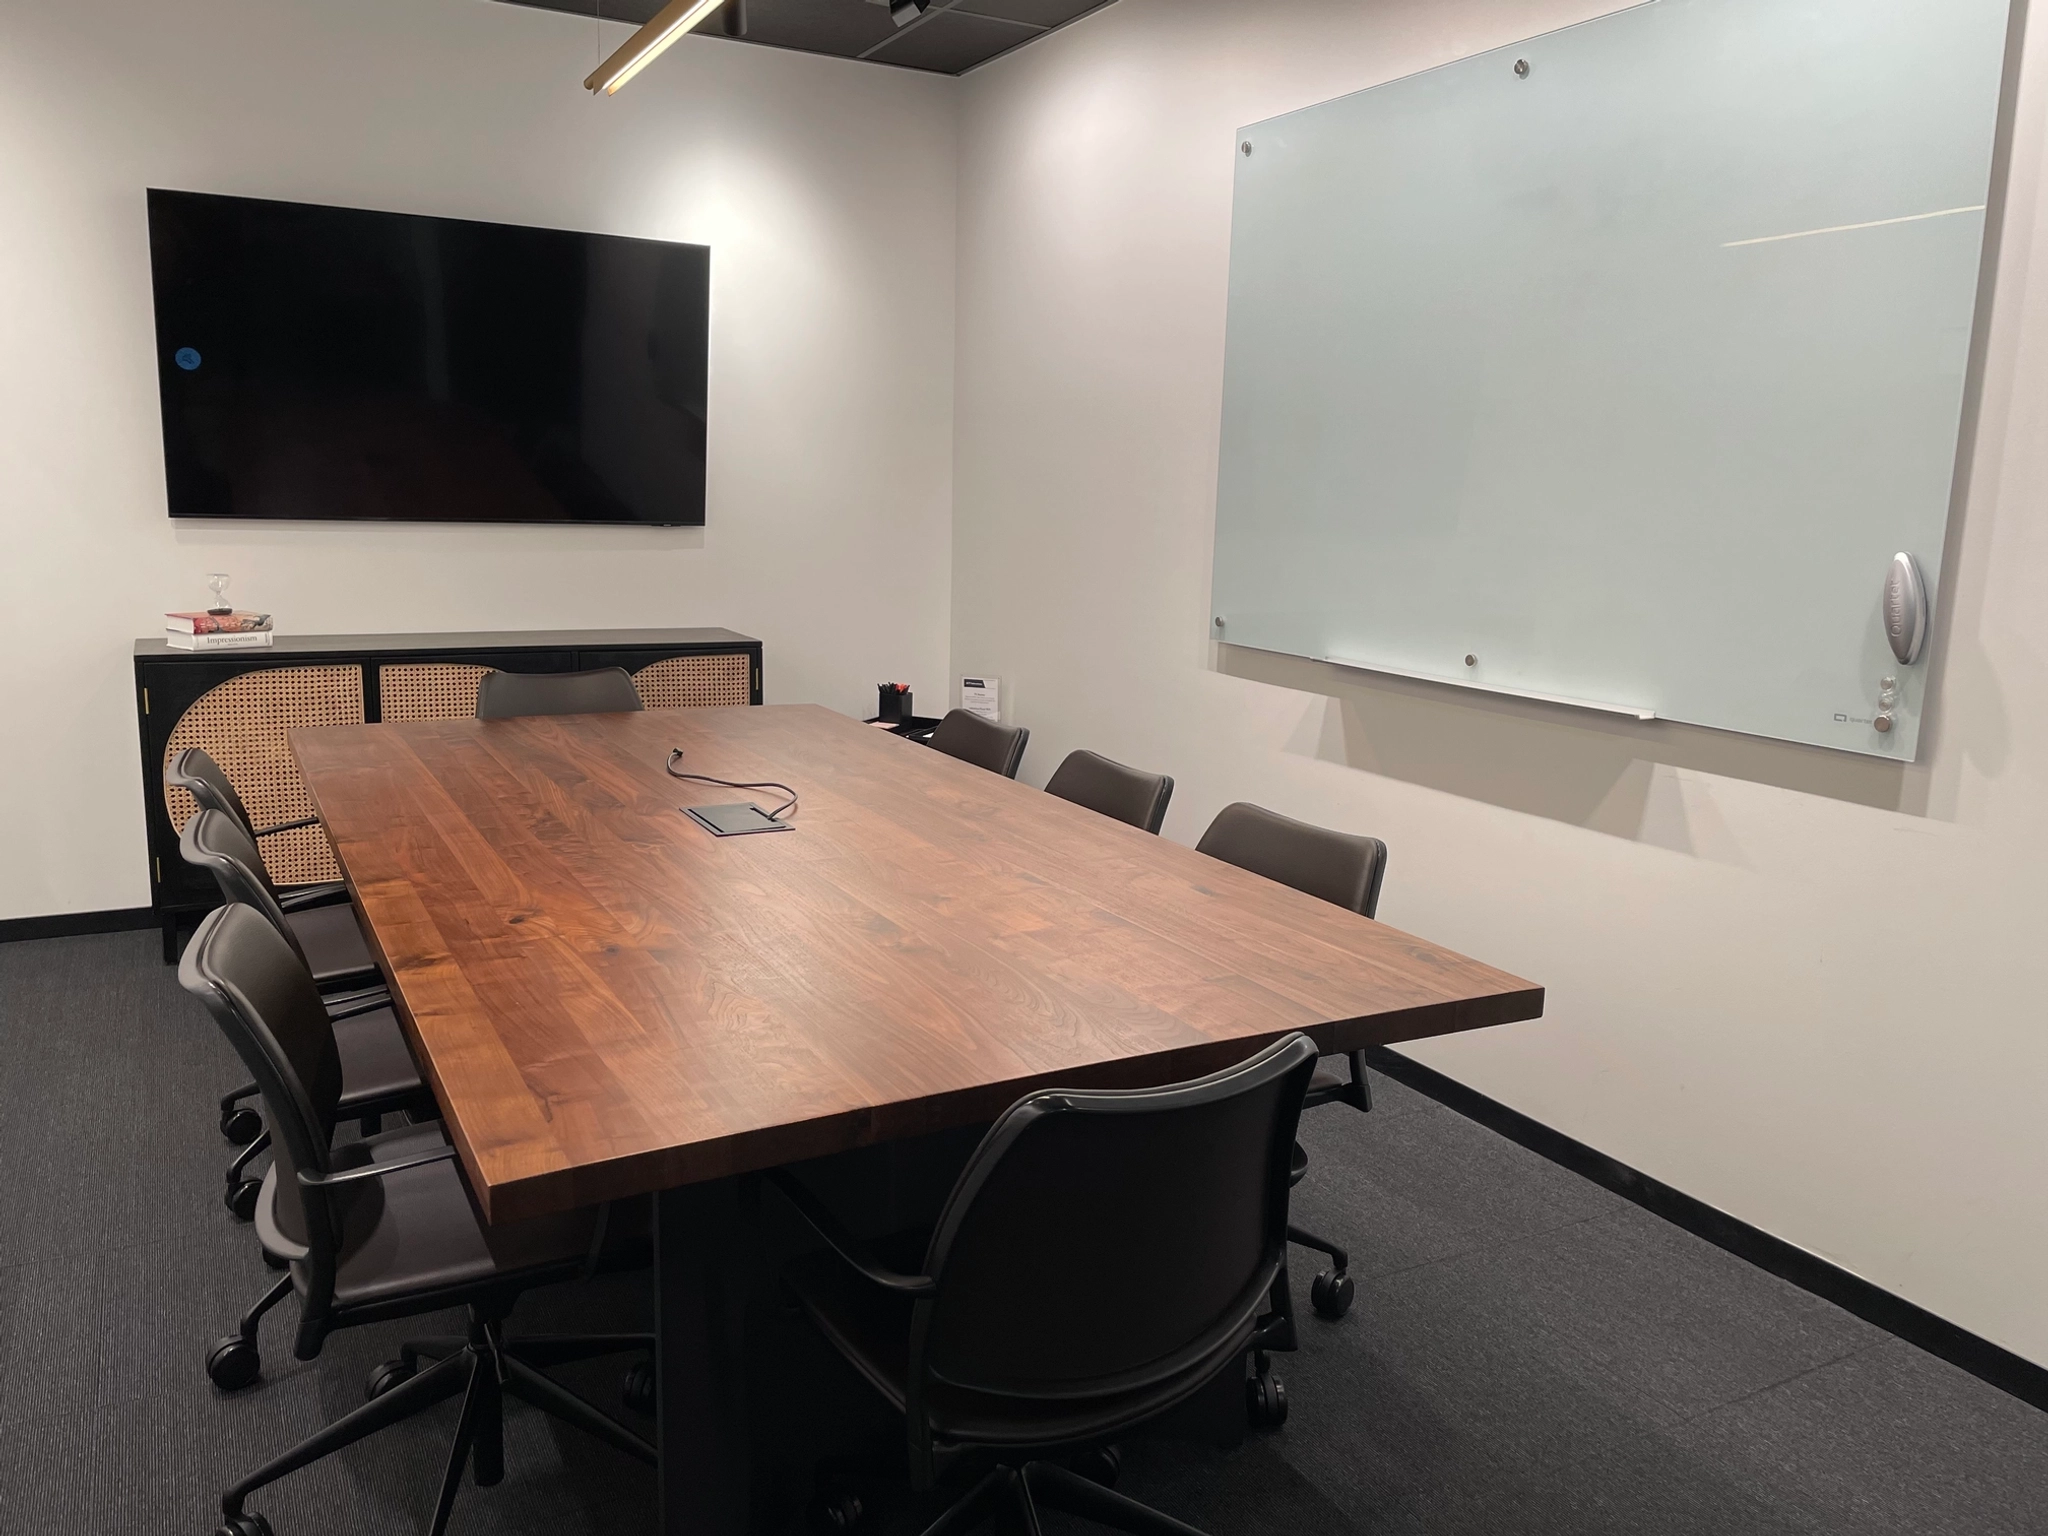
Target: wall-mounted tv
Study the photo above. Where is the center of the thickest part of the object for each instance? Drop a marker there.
(330, 363)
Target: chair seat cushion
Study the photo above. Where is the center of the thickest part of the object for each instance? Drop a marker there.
(376, 1065)
(334, 945)
(871, 1328)
(417, 1232)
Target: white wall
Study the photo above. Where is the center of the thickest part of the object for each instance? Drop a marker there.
(1799, 986)
(825, 189)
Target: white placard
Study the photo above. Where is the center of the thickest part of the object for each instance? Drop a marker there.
(978, 697)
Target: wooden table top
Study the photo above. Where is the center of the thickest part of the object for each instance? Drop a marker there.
(609, 1001)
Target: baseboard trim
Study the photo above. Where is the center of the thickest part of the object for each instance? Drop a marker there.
(1986, 1361)
(63, 925)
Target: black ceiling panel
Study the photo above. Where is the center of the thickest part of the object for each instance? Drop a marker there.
(1040, 13)
(950, 38)
(952, 41)
(845, 28)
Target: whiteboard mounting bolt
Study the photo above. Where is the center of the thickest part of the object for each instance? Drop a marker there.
(1245, 147)
(1471, 661)
(1219, 621)
(1521, 69)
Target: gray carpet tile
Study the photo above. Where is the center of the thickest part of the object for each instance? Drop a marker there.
(1425, 1186)
(1887, 1442)
(1527, 1353)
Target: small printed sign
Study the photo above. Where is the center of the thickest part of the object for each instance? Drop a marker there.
(978, 697)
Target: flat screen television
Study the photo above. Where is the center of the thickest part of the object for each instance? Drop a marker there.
(330, 363)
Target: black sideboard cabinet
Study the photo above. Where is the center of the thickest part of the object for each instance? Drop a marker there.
(238, 705)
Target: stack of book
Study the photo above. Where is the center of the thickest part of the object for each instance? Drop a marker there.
(214, 630)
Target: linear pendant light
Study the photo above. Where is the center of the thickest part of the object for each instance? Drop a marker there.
(642, 48)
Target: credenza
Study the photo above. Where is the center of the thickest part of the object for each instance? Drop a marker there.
(238, 705)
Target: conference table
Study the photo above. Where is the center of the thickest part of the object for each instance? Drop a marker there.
(609, 1002)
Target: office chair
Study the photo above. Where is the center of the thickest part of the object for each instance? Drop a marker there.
(383, 1228)
(1337, 867)
(193, 770)
(378, 1072)
(998, 748)
(603, 691)
(1103, 1257)
(1127, 794)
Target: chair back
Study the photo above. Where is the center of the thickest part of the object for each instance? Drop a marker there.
(263, 998)
(965, 735)
(193, 771)
(1100, 1243)
(1128, 794)
(215, 842)
(602, 691)
(1338, 867)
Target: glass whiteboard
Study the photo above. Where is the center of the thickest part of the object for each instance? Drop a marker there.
(1621, 361)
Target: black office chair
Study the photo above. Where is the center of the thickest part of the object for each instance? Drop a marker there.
(965, 735)
(602, 691)
(193, 770)
(1128, 794)
(379, 1075)
(1346, 870)
(384, 1228)
(1103, 1257)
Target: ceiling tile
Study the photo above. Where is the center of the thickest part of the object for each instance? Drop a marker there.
(1041, 13)
(949, 41)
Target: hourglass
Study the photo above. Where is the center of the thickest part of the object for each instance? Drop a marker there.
(217, 581)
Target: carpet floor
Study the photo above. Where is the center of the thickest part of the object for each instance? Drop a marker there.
(1528, 1353)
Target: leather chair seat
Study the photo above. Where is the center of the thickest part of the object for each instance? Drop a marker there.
(376, 1063)
(334, 944)
(416, 1231)
(871, 1328)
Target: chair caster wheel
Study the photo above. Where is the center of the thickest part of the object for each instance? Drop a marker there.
(1100, 1465)
(840, 1510)
(638, 1386)
(244, 1525)
(232, 1364)
(240, 1198)
(241, 1126)
(392, 1373)
(1330, 1293)
(1265, 1401)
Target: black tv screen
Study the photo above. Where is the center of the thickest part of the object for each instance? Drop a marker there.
(329, 363)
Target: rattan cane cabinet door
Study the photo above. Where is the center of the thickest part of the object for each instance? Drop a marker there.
(241, 724)
(429, 690)
(696, 682)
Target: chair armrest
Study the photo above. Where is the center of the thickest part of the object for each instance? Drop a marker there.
(289, 826)
(347, 1005)
(373, 1170)
(844, 1243)
(313, 896)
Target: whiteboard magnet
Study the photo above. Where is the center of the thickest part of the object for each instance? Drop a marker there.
(1905, 608)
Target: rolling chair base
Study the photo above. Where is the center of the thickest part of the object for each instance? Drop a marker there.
(1332, 1291)
(1044, 1484)
(482, 1367)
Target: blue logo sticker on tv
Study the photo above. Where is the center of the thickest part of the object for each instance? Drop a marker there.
(186, 358)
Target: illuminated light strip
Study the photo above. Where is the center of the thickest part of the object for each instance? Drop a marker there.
(1843, 229)
(646, 45)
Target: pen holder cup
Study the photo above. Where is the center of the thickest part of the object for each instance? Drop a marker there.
(892, 707)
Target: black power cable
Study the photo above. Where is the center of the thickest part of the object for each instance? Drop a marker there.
(778, 814)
